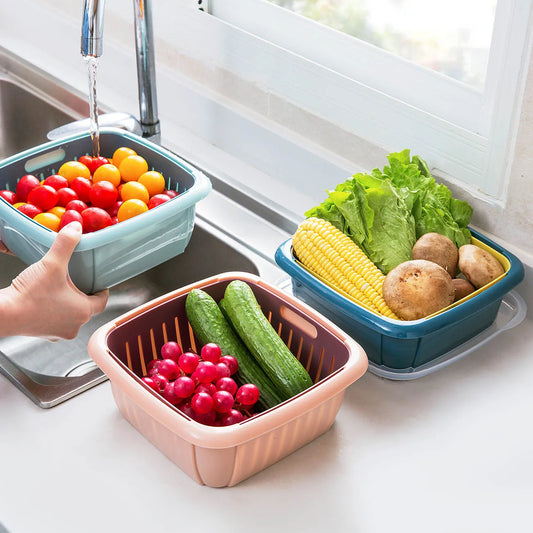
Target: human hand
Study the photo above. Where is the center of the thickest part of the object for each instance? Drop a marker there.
(42, 301)
(3, 249)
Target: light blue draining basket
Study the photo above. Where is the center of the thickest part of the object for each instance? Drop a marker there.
(106, 257)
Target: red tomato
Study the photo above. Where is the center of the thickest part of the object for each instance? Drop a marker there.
(70, 216)
(8, 196)
(103, 194)
(92, 163)
(77, 205)
(43, 196)
(99, 161)
(158, 199)
(88, 161)
(113, 210)
(25, 185)
(171, 193)
(56, 181)
(82, 187)
(65, 195)
(29, 210)
(94, 219)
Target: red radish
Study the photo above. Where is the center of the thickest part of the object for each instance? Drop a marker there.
(171, 350)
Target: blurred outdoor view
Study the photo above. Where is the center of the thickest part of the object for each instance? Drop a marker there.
(452, 37)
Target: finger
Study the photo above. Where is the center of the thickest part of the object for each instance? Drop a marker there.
(99, 301)
(67, 239)
(4, 249)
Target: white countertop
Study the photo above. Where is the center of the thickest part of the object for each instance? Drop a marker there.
(451, 451)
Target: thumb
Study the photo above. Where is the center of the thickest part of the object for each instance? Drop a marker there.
(98, 301)
(66, 241)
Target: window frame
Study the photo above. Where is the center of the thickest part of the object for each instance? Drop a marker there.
(465, 134)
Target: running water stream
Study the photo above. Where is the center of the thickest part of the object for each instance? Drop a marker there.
(92, 65)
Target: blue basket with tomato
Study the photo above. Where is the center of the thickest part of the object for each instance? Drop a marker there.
(118, 252)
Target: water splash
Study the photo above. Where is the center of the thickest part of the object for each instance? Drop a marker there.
(92, 67)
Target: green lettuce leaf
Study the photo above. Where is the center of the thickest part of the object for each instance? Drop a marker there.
(431, 204)
(385, 211)
(375, 218)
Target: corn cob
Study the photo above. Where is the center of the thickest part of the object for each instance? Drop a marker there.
(331, 254)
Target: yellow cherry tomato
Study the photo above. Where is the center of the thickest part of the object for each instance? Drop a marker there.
(120, 153)
(132, 167)
(48, 220)
(107, 172)
(18, 204)
(58, 211)
(131, 208)
(134, 190)
(153, 181)
(74, 169)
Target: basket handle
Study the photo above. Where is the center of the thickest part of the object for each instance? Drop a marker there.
(44, 160)
(298, 321)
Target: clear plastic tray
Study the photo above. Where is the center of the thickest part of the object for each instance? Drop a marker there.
(513, 310)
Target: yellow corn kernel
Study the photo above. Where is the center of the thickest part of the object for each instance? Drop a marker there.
(331, 254)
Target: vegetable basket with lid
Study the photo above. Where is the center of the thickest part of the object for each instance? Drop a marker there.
(224, 456)
(400, 348)
(106, 257)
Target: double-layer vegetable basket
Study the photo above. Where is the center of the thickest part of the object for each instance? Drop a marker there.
(109, 256)
(224, 456)
(397, 348)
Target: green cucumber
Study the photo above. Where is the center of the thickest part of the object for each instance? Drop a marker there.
(279, 364)
(210, 325)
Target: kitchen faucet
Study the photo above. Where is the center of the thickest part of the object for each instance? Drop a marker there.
(92, 46)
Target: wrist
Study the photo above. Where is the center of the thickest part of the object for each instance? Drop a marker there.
(14, 316)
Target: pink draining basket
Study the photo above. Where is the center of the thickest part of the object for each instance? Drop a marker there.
(224, 456)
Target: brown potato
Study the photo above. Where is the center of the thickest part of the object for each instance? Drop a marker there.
(462, 288)
(418, 288)
(479, 266)
(438, 249)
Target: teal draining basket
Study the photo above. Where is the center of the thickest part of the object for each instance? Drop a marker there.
(106, 257)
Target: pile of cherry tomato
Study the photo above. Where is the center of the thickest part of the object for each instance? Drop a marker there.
(95, 191)
(201, 385)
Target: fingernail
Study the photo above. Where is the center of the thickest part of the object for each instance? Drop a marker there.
(74, 227)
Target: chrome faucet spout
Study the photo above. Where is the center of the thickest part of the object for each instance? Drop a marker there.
(92, 28)
(92, 31)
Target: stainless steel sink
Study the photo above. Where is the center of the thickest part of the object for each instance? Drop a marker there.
(24, 118)
(31, 104)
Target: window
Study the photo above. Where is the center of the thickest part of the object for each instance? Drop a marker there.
(451, 37)
(461, 116)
